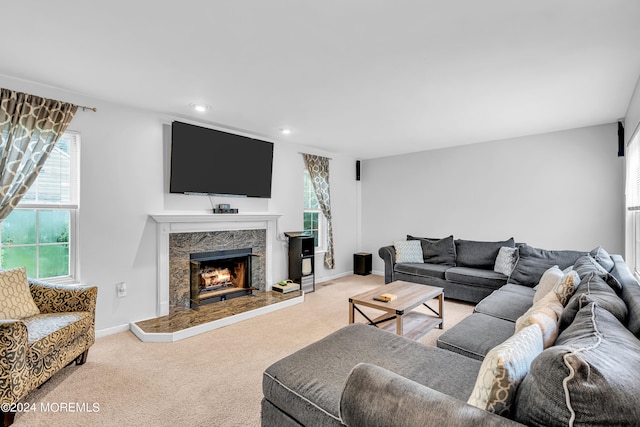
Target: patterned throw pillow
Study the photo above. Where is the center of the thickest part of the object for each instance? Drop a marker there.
(16, 301)
(408, 251)
(506, 260)
(503, 369)
(566, 286)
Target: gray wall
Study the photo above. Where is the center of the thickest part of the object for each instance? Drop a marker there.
(562, 190)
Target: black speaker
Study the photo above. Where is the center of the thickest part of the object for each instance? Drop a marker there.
(620, 140)
(357, 170)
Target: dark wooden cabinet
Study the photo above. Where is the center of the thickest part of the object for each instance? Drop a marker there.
(301, 260)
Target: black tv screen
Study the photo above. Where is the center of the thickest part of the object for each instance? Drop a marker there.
(209, 161)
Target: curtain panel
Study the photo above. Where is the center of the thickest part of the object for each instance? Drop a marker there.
(318, 168)
(30, 126)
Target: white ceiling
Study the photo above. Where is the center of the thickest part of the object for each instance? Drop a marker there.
(368, 78)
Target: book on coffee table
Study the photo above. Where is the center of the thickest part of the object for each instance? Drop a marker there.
(385, 297)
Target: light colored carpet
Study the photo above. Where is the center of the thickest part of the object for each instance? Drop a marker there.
(213, 379)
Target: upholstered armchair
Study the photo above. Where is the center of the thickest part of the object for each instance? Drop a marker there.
(36, 346)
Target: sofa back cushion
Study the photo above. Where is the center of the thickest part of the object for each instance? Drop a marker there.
(474, 254)
(533, 262)
(589, 377)
(437, 251)
(16, 301)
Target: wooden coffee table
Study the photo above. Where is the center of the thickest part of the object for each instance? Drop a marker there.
(411, 324)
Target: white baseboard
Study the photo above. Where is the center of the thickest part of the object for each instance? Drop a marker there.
(113, 330)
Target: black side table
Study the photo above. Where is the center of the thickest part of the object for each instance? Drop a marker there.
(362, 263)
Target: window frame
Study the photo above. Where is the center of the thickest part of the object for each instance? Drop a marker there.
(72, 208)
(322, 220)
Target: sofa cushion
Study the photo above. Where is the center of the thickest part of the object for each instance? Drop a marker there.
(504, 305)
(503, 369)
(521, 290)
(603, 258)
(593, 289)
(631, 297)
(470, 338)
(533, 262)
(408, 251)
(506, 260)
(46, 325)
(422, 269)
(307, 384)
(590, 377)
(441, 251)
(470, 253)
(16, 301)
(475, 276)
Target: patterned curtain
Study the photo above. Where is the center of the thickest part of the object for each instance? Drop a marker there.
(318, 168)
(29, 129)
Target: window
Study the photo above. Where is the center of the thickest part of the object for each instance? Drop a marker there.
(633, 198)
(39, 233)
(314, 220)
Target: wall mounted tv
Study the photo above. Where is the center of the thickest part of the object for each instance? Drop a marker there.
(208, 161)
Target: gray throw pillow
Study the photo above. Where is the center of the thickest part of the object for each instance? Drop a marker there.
(589, 377)
(593, 289)
(603, 258)
(441, 251)
(533, 262)
(476, 254)
(587, 264)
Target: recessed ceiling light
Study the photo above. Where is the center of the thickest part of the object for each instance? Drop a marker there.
(285, 131)
(201, 108)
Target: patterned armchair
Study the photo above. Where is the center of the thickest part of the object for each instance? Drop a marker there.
(34, 348)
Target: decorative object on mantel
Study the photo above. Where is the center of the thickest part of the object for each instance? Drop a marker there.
(224, 208)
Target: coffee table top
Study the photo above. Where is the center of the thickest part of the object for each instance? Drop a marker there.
(409, 295)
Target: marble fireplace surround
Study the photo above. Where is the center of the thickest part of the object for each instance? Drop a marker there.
(261, 226)
(181, 224)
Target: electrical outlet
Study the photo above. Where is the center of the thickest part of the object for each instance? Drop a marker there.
(122, 289)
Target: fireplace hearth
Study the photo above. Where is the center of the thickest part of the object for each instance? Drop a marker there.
(220, 275)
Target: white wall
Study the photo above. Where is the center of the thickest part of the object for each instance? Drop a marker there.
(124, 158)
(561, 190)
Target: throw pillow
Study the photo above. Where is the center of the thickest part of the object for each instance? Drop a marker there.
(548, 281)
(533, 262)
(506, 260)
(474, 254)
(590, 377)
(16, 301)
(603, 258)
(503, 369)
(565, 288)
(593, 288)
(587, 264)
(441, 251)
(408, 251)
(544, 313)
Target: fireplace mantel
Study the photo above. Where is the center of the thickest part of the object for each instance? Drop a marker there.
(186, 222)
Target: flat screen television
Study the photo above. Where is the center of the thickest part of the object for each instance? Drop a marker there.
(208, 161)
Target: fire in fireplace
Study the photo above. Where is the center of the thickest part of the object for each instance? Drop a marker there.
(220, 275)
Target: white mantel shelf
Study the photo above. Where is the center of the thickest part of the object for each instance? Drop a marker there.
(190, 222)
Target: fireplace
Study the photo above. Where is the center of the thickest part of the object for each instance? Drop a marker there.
(220, 275)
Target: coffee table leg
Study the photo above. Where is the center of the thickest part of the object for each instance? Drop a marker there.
(351, 312)
(399, 324)
(440, 310)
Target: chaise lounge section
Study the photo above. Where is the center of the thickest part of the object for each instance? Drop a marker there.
(582, 368)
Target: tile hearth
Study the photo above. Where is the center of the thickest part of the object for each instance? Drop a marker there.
(180, 324)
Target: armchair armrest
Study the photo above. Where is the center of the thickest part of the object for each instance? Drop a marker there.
(52, 298)
(374, 396)
(388, 255)
(14, 372)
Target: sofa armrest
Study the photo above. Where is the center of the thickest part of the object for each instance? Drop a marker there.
(388, 255)
(374, 396)
(52, 298)
(14, 371)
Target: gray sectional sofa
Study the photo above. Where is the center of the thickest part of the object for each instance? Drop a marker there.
(588, 375)
(465, 269)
